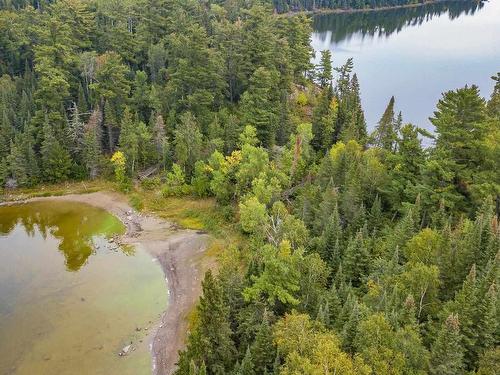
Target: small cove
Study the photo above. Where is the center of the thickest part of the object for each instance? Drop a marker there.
(71, 299)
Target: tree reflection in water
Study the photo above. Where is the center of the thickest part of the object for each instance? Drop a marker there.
(74, 225)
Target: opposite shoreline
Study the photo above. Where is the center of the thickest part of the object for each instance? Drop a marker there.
(322, 11)
(180, 253)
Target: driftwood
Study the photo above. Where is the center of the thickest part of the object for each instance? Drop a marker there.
(147, 173)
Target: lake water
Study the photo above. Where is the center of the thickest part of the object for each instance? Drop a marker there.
(415, 54)
(70, 299)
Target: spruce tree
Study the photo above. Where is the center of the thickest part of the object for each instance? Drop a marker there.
(258, 106)
(188, 142)
(211, 342)
(356, 259)
(385, 134)
(331, 240)
(129, 140)
(465, 305)
(56, 161)
(447, 351)
(262, 349)
(246, 367)
(76, 131)
(91, 151)
(6, 134)
(324, 73)
(323, 121)
(488, 323)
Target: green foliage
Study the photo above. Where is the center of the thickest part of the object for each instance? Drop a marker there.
(188, 142)
(210, 345)
(278, 282)
(175, 183)
(253, 216)
(308, 349)
(447, 353)
(56, 161)
(119, 163)
(220, 99)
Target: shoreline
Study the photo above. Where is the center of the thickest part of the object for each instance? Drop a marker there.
(180, 253)
(324, 11)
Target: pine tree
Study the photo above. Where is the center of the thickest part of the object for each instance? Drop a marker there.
(91, 152)
(447, 351)
(56, 161)
(385, 133)
(129, 140)
(211, 341)
(298, 32)
(356, 259)
(188, 143)
(459, 121)
(258, 108)
(324, 73)
(262, 349)
(141, 95)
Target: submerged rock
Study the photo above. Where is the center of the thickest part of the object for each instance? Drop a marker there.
(125, 350)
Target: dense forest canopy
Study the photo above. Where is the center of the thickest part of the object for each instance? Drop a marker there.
(363, 253)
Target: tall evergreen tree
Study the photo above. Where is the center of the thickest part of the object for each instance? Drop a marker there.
(56, 161)
(447, 351)
(211, 342)
(258, 107)
(324, 73)
(385, 133)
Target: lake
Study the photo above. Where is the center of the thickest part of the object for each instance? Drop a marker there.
(70, 298)
(415, 54)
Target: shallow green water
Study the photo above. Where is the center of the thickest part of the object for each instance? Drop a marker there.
(69, 299)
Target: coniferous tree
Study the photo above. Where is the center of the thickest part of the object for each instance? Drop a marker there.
(210, 344)
(91, 151)
(356, 259)
(487, 326)
(324, 73)
(258, 107)
(187, 143)
(447, 351)
(262, 349)
(56, 161)
(385, 132)
(129, 140)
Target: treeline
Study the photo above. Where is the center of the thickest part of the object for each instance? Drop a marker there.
(163, 81)
(283, 6)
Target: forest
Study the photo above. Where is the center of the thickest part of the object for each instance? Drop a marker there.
(362, 253)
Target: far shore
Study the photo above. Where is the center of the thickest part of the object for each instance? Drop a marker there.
(321, 11)
(181, 255)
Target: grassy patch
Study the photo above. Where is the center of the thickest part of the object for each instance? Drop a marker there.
(80, 187)
(190, 212)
